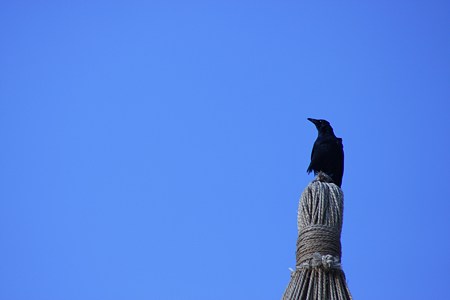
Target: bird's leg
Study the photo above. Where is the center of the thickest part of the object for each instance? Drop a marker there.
(323, 177)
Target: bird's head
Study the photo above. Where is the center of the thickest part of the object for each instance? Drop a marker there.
(323, 126)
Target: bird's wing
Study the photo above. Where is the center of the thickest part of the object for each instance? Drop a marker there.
(318, 154)
(310, 167)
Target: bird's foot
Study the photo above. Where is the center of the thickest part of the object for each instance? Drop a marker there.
(323, 177)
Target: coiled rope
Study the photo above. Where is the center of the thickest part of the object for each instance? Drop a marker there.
(318, 273)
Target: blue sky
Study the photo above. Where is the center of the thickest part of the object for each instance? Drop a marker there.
(158, 149)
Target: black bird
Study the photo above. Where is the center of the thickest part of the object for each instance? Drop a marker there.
(328, 152)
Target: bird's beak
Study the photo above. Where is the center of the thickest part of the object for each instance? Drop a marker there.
(314, 121)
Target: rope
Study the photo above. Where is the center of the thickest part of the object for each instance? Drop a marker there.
(319, 260)
(318, 273)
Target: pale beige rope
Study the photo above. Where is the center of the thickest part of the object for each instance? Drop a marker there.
(318, 273)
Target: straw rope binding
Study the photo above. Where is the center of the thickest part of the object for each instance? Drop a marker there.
(318, 273)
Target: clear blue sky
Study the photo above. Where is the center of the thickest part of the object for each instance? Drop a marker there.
(158, 149)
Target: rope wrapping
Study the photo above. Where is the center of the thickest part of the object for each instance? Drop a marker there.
(318, 274)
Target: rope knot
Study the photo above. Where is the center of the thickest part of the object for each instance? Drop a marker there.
(318, 260)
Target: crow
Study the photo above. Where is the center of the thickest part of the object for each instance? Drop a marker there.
(328, 152)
